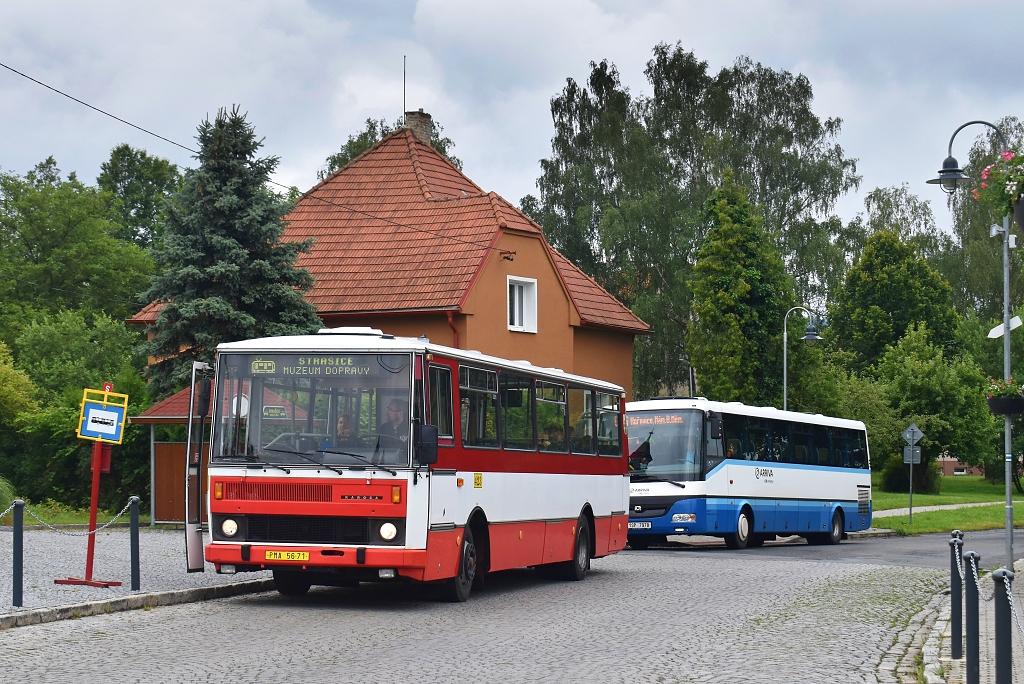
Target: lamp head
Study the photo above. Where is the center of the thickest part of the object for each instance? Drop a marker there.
(950, 176)
(811, 336)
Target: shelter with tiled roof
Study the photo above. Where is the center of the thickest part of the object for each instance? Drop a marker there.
(403, 241)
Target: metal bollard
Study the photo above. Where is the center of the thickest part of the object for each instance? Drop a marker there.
(17, 598)
(971, 605)
(133, 504)
(1003, 579)
(956, 597)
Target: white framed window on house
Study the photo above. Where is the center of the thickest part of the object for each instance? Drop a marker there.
(522, 304)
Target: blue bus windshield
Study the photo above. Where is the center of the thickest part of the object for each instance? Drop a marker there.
(673, 439)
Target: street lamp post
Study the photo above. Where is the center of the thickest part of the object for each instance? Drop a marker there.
(950, 177)
(811, 336)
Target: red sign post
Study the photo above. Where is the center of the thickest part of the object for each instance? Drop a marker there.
(100, 463)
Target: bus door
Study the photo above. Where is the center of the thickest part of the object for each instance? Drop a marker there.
(198, 409)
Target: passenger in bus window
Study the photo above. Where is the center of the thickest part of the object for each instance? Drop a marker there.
(396, 423)
(344, 433)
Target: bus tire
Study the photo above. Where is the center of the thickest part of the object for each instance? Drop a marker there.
(755, 541)
(577, 568)
(291, 582)
(740, 539)
(835, 534)
(458, 588)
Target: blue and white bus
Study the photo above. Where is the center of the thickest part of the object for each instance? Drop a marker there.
(744, 473)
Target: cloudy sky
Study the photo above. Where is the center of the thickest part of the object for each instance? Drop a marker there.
(901, 75)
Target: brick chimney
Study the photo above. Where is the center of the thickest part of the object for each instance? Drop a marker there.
(421, 125)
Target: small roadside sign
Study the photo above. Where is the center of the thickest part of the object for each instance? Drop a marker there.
(912, 435)
(912, 455)
(102, 416)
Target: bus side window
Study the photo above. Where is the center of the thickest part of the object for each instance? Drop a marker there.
(860, 451)
(479, 406)
(756, 447)
(801, 444)
(441, 401)
(581, 421)
(731, 431)
(609, 430)
(821, 445)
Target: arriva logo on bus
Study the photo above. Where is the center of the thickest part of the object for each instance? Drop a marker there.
(763, 473)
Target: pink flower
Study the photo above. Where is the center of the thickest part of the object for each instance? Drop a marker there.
(1007, 155)
(975, 194)
(985, 172)
(984, 185)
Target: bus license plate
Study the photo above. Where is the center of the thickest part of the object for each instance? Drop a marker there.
(639, 525)
(286, 555)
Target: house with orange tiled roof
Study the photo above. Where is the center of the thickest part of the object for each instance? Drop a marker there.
(403, 241)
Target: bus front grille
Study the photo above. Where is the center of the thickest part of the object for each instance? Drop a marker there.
(295, 529)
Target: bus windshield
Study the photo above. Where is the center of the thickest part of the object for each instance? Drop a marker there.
(674, 439)
(301, 409)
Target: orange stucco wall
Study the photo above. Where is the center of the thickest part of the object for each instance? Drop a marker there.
(486, 308)
(604, 354)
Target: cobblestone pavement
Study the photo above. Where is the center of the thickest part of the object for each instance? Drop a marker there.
(50, 555)
(657, 616)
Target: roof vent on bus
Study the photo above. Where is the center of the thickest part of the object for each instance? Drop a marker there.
(373, 332)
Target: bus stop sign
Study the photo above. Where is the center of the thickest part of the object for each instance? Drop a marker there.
(102, 416)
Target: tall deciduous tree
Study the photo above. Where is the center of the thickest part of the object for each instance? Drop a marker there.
(941, 393)
(887, 290)
(741, 293)
(59, 249)
(140, 184)
(375, 131)
(224, 274)
(623, 188)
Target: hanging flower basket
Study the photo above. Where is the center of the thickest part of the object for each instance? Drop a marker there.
(1006, 406)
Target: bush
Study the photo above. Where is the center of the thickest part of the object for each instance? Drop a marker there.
(896, 477)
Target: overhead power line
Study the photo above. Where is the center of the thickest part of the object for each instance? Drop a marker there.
(504, 252)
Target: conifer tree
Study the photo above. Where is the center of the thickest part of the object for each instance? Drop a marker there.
(740, 295)
(224, 274)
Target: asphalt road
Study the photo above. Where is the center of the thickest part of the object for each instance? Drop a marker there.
(687, 613)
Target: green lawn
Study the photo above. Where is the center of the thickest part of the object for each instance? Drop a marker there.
(966, 519)
(953, 490)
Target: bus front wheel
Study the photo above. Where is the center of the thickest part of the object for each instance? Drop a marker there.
(741, 538)
(457, 589)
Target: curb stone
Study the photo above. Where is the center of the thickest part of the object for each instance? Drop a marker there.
(134, 602)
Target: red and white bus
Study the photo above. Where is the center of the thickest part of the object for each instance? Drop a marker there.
(353, 455)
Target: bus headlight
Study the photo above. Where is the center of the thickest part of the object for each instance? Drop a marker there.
(388, 531)
(684, 517)
(229, 527)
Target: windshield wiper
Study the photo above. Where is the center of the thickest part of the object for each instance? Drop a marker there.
(251, 462)
(363, 459)
(652, 478)
(306, 456)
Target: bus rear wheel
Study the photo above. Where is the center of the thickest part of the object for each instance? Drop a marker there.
(458, 588)
(577, 568)
(833, 536)
(291, 582)
(741, 538)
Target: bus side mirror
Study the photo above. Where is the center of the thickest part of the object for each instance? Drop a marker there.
(716, 425)
(425, 444)
(204, 397)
